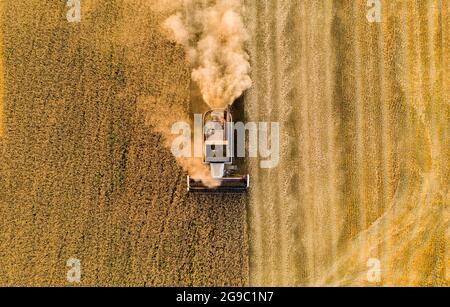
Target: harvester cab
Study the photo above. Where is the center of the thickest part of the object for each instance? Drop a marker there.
(218, 153)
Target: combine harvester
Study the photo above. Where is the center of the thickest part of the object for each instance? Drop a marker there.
(218, 153)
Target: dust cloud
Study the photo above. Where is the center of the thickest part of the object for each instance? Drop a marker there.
(214, 37)
(161, 116)
(161, 113)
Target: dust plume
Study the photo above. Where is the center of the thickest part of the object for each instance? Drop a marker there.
(214, 38)
(161, 116)
(138, 35)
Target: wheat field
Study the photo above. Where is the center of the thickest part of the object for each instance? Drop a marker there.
(364, 161)
(83, 176)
